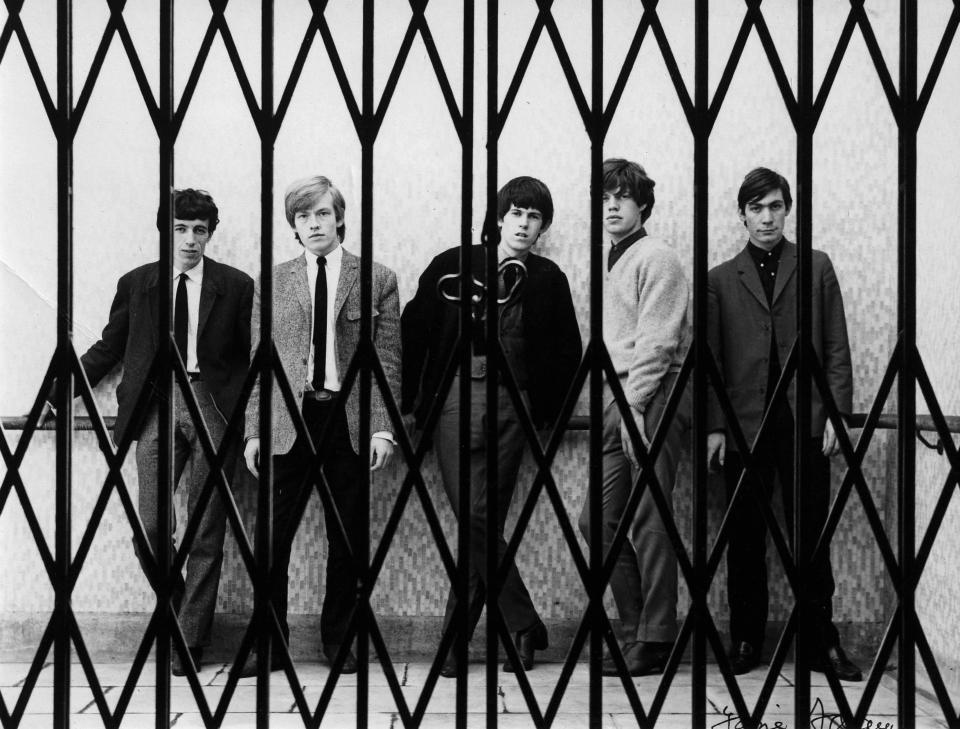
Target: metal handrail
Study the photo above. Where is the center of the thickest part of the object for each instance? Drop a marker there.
(577, 422)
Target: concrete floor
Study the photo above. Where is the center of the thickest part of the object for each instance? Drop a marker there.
(382, 714)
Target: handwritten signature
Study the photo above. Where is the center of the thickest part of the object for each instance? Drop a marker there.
(819, 719)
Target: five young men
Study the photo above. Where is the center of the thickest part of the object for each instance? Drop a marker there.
(647, 327)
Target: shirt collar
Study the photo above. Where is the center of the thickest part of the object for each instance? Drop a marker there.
(194, 274)
(333, 257)
(629, 240)
(758, 254)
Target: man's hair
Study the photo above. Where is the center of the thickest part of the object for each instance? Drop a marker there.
(526, 192)
(626, 176)
(190, 204)
(303, 195)
(760, 182)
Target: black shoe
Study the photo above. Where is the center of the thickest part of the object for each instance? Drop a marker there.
(250, 668)
(176, 665)
(528, 641)
(330, 651)
(845, 669)
(449, 667)
(744, 657)
(643, 658)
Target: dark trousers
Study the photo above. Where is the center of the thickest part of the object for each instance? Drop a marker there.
(644, 578)
(746, 554)
(515, 603)
(342, 467)
(198, 599)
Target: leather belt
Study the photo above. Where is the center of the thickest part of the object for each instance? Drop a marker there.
(195, 377)
(319, 395)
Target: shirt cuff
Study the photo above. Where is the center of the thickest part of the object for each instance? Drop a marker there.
(385, 435)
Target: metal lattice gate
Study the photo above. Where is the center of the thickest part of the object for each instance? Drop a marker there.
(908, 100)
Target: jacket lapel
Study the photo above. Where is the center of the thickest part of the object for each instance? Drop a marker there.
(151, 282)
(786, 268)
(210, 289)
(299, 282)
(348, 276)
(747, 271)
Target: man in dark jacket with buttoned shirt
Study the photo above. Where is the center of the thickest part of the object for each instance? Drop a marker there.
(541, 341)
(752, 312)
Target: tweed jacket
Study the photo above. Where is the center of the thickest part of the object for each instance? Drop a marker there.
(740, 323)
(131, 337)
(292, 330)
(553, 348)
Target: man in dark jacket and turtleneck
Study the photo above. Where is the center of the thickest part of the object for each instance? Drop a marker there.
(541, 342)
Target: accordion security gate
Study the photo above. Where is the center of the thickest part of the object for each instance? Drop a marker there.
(907, 97)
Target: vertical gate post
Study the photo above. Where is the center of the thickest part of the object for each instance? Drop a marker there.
(596, 370)
(804, 128)
(64, 394)
(906, 386)
(701, 233)
(165, 354)
(361, 542)
(263, 544)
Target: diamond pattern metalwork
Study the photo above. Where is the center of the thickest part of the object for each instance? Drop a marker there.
(698, 573)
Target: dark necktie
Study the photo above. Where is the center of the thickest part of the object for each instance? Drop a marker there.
(320, 324)
(180, 317)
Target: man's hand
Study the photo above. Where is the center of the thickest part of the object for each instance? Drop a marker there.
(831, 446)
(625, 441)
(381, 451)
(251, 454)
(716, 448)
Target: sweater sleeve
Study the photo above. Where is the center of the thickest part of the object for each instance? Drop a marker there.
(663, 295)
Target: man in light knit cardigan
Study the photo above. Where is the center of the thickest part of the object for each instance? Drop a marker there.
(646, 324)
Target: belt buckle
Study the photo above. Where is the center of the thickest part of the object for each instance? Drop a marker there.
(320, 395)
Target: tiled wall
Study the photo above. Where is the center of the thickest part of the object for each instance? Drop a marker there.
(416, 214)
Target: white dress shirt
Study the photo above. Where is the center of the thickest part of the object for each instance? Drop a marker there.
(331, 380)
(194, 284)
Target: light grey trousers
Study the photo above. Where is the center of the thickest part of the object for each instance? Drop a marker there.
(205, 559)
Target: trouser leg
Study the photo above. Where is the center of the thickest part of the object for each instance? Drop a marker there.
(342, 469)
(205, 560)
(816, 501)
(514, 600)
(656, 558)
(747, 592)
(148, 459)
(625, 580)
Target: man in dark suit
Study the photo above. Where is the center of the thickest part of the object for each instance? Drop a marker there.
(752, 307)
(316, 330)
(541, 341)
(212, 331)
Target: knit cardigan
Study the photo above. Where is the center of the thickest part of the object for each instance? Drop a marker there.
(646, 317)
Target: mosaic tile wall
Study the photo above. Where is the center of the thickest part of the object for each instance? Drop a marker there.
(417, 203)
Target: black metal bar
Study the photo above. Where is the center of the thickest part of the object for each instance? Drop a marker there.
(906, 384)
(701, 239)
(492, 351)
(595, 493)
(64, 395)
(361, 542)
(165, 353)
(885, 421)
(263, 541)
(804, 124)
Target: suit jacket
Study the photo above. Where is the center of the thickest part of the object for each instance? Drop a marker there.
(131, 337)
(553, 348)
(292, 333)
(740, 325)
